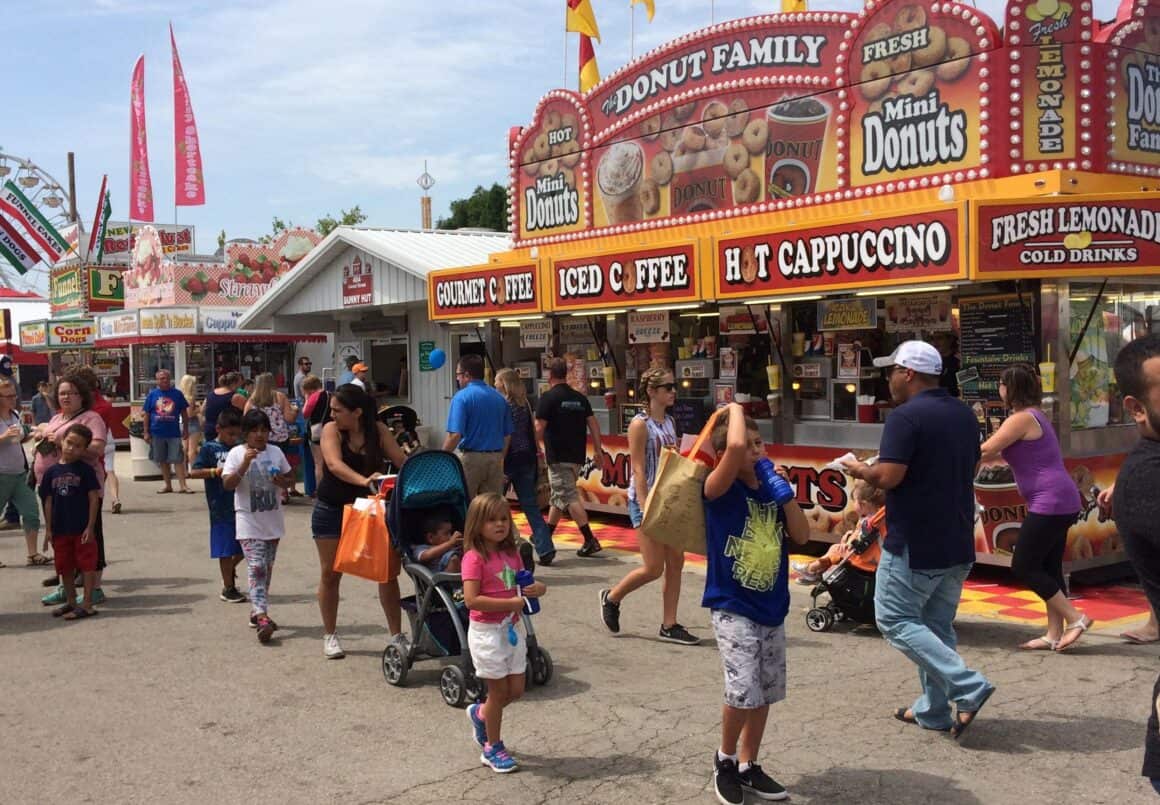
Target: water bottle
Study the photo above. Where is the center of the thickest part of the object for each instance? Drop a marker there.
(775, 486)
(525, 578)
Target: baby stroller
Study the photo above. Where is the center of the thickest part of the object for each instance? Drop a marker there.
(429, 482)
(850, 589)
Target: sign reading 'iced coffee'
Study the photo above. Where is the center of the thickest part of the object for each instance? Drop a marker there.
(890, 251)
(626, 279)
(1054, 238)
(483, 292)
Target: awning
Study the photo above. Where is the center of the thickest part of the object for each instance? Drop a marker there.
(21, 356)
(224, 338)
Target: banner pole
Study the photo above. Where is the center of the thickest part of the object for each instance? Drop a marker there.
(631, 30)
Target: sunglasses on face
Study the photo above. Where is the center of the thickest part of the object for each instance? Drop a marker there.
(665, 386)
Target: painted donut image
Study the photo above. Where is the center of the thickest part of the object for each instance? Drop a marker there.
(934, 52)
(693, 138)
(650, 127)
(670, 136)
(650, 197)
(736, 160)
(549, 167)
(910, 18)
(540, 147)
(713, 119)
(569, 153)
(551, 120)
(738, 117)
(531, 166)
(788, 177)
(917, 83)
(746, 187)
(684, 111)
(661, 167)
(756, 135)
(875, 80)
(958, 49)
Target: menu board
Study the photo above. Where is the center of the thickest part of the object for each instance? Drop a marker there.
(628, 412)
(995, 333)
(688, 415)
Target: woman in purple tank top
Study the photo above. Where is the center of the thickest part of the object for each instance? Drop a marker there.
(1027, 442)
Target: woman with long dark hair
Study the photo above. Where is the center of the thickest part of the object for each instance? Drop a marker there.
(355, 450)
(1027, 442)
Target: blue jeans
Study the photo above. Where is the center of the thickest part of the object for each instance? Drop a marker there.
(523, 478)
(915, 611)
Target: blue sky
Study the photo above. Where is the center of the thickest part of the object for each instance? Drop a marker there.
(305, 107)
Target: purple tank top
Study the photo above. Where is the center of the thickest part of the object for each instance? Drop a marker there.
(1039, 472)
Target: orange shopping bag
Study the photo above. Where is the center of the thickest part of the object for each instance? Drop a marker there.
(364, 548)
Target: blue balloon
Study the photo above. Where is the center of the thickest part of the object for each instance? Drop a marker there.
(437, 358)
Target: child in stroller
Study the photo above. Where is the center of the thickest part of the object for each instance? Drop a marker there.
(846, 572)
(431, 485)
(442, 546)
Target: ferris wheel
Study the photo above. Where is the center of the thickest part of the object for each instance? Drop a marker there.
(50, 198)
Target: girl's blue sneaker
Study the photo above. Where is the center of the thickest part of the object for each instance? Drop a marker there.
(496, 756)
(478, 727)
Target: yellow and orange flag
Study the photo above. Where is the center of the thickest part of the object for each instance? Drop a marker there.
(649, 7)
(582, 20)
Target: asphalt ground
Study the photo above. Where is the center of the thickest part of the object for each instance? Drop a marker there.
(169, 697)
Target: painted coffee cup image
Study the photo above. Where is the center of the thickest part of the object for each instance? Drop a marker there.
(797, 132)
(1003, 508)
(619, 177)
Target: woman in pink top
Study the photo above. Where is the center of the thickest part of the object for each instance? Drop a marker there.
(1027, 442)
(497, 645)
(73, 400)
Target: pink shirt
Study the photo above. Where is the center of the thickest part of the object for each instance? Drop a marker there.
(497, 579)
(61, 423)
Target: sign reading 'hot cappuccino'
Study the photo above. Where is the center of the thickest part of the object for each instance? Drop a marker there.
(483, 292)
(622, 279)
(889, 251)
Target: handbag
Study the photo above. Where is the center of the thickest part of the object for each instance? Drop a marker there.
(364, 547)
(674, 513)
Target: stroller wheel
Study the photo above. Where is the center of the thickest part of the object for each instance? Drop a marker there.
(819, 620)
(394, 665)
(453, 685)
(541, 666)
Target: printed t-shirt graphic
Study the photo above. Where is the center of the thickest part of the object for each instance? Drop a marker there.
(756, 553)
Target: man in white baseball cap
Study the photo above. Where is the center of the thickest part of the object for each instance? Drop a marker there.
(926, 464)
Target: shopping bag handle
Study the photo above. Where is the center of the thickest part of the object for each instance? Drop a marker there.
(706, 432)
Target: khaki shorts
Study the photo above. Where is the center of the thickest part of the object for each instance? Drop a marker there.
(484, 472)
(562, 478)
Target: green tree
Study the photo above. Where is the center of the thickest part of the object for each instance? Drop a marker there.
(486, 208)
(352, 217)
(221, 240)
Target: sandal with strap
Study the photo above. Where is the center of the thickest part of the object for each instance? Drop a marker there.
(1044, 643)
(906, 716)
(38, 560)
(1074, 631)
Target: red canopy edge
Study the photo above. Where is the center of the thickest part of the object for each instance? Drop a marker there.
(21, 356)
(216, 338)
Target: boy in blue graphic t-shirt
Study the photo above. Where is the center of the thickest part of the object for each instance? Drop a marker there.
(746, 588)
(223, 531)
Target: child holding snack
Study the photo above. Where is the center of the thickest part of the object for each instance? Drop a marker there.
(72, 497)
(749, 511)
(497, 644)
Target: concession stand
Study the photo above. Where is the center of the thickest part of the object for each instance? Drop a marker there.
(767, 205)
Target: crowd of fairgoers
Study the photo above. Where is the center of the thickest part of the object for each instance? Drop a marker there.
(246, 446)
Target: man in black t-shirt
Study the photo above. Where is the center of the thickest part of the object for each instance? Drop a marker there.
(562, 417)
(1135, 505)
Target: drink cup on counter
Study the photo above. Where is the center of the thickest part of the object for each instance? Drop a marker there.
(799, 344)
(610, 400)
(773, 376)
(609, 377)
(1047, 376)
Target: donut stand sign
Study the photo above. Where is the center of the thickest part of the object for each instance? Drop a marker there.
(483, 292)
(1133, 90)
(916, 72)
(883, 252)
(551, 178)
(626, 279)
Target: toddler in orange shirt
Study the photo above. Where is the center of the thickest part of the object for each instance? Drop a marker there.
(869, 502)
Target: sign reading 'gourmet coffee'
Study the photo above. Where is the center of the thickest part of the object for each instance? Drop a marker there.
(889, 251)
(1053, 238)
(626, 279)
(483, 292)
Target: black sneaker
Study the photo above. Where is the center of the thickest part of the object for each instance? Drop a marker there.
(678, 634)
(547, 559)
(231, 595)
(727, 782)
(590, 547)
(755, 780)
(527, 555)
(609, 612)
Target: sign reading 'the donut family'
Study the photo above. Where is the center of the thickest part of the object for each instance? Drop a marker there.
(1133, 91)
(924, 245)
(626, 279)
(483, 292)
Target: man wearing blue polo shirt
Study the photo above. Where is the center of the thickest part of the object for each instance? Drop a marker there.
(479, 428)
(927, 462)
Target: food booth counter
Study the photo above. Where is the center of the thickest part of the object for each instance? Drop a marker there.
(840, 182)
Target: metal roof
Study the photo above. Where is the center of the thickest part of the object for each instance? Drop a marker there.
(416, 251)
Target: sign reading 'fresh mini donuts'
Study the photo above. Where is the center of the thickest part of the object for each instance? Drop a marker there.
(626, 279)
(890, 251)
(483, 292)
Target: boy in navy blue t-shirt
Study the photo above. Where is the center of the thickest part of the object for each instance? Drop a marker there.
(747, 589)
(223, 531)
(71, 495)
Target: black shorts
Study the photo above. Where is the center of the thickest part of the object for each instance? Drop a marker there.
(326, 520)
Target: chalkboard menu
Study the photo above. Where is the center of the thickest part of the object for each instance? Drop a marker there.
(628, 412)
(995, 332)
(688, 414)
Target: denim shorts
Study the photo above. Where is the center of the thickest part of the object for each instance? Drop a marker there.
(635, 515)
(164, 450)
(326, 520)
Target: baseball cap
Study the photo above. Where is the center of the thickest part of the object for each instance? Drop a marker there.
(360, 367)
(917, 355)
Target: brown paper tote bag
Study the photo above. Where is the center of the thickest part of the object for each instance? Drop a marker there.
(674, 513)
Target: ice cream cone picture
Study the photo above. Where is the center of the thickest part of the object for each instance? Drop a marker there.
(1078, 240)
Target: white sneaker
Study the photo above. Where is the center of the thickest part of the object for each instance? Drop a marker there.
(331, 647)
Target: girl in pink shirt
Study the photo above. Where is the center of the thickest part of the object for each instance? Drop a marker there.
(497, 644)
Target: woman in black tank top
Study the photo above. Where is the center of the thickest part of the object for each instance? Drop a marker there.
(355, 449)
(221, 398)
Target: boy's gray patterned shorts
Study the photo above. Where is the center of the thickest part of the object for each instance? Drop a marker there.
(753, 657)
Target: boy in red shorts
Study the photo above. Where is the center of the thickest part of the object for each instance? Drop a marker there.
(72, 496)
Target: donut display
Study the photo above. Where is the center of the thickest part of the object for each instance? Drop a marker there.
(569, 153)
(746, 187)
(661, 167)
(549, 167)
(531, 166)
(738, 117)
(693, 139)
(910, 18)
(876, 77)
(650, 197)
(540, 148)
(756, 135)
(736, 160)
(713, 119)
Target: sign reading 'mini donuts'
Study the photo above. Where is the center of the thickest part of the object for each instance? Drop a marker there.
(924, 245)
(483, 292)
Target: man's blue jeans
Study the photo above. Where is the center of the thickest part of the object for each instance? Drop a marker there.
(523, 478)
(915, 611)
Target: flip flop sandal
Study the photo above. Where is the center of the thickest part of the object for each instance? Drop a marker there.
(1044, 643)
(59, 611)
(188, 492)
(80, 614)
(1136, 640)
(1079, 627)
(901, 715)
(117, 507)
(960, 727)
(38, 560)
(165, 491)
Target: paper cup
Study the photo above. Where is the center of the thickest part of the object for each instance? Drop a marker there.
(609, 377)
(773, 375)
(1047, 377)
